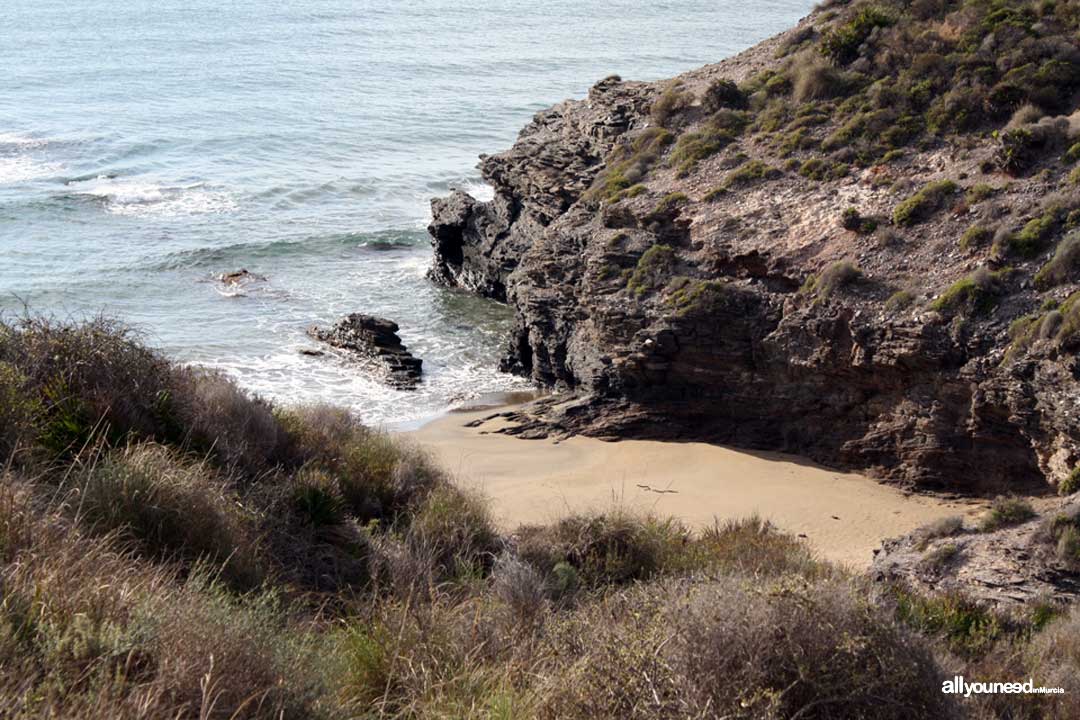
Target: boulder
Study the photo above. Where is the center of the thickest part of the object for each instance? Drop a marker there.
(374, 341)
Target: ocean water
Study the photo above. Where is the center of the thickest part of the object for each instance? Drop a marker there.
(147, 146)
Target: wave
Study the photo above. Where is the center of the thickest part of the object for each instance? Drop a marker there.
(216, 257)
(125, 196)
(20, 141)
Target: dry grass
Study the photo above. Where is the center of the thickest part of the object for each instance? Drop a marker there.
(331, 572)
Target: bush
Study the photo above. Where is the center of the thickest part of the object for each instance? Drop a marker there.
(613, 548)
(744, 653)
(455, 527)
(1071, 483)
(652, 270)
(674, 101)
(90, 378)
(818, 169)
(977, 294)
(693, 147)
(832, 278)
(1030, 240)
(169, 509)
(974, 237)
(749, 173)
(851, 219)
(722, 94)
(1005, 512)
(923, 204)
(377, 477)
(969, 628)
(19, 412)
(1063, 266)
(818, 81)
(899, 300)
(945, 527)
(841, 43)
(629, 162)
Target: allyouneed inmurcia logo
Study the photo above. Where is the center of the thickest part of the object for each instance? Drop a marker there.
(959, 686)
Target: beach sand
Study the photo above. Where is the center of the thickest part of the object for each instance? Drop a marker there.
(844, 516)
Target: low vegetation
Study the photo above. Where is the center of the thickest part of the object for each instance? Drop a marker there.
(831, 279)
(1006, 511)
(303, 566)
(924, 203)
(976, 294)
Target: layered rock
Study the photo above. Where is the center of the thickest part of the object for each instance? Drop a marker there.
(374, 341)
(1018, 565)
(696, 304)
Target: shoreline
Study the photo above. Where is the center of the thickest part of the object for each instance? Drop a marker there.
(843, 516)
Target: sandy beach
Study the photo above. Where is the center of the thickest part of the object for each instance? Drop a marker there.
(844, 516)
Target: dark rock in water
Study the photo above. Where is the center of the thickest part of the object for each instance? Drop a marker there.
(375, 340)
(238, 277)
(311, 352)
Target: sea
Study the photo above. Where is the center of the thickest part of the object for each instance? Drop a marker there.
(149, 146)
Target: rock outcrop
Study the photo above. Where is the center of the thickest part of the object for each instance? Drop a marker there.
(374, 341)
(1016, 565)
(682, 266)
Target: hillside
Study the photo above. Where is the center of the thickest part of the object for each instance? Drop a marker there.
(172, 548)
(854, 241)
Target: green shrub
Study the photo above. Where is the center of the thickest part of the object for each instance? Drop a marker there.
(977, 294)
(841, 43)
(629, 163)
(749, 173)
(923, 204)
(1006, 511)
(1063, 266)
(652, 270)
(693, 147)
(979, 192)
(695, 297)
(170, 508)
(722, 94)
(455, 527)
(969, 628)
(1030, 241)
(974, 237)
(900, 300)
(614, 548)
(674, 101)
(818, 169)
(834, 277)
(851, 219)
(19, 412)
(377, 477)
(1071, 483)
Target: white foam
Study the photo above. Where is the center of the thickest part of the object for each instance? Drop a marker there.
(124, 196)
(479, 190)
(20, 141)
(21, 168)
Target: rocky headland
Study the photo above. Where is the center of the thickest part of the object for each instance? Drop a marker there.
(852, 241)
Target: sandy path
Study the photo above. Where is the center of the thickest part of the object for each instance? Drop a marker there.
(844, 516)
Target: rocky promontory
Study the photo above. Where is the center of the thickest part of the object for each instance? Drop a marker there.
(853, 241)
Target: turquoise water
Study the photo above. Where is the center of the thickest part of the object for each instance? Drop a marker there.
(146, 147)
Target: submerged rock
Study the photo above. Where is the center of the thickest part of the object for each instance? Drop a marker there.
(375, 341)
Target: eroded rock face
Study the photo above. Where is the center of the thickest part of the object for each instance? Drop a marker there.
(375, 341)
(669, 317)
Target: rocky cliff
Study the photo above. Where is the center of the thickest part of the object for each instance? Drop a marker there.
(853, 241)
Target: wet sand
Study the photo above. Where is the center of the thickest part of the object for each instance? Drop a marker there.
(844, 516)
